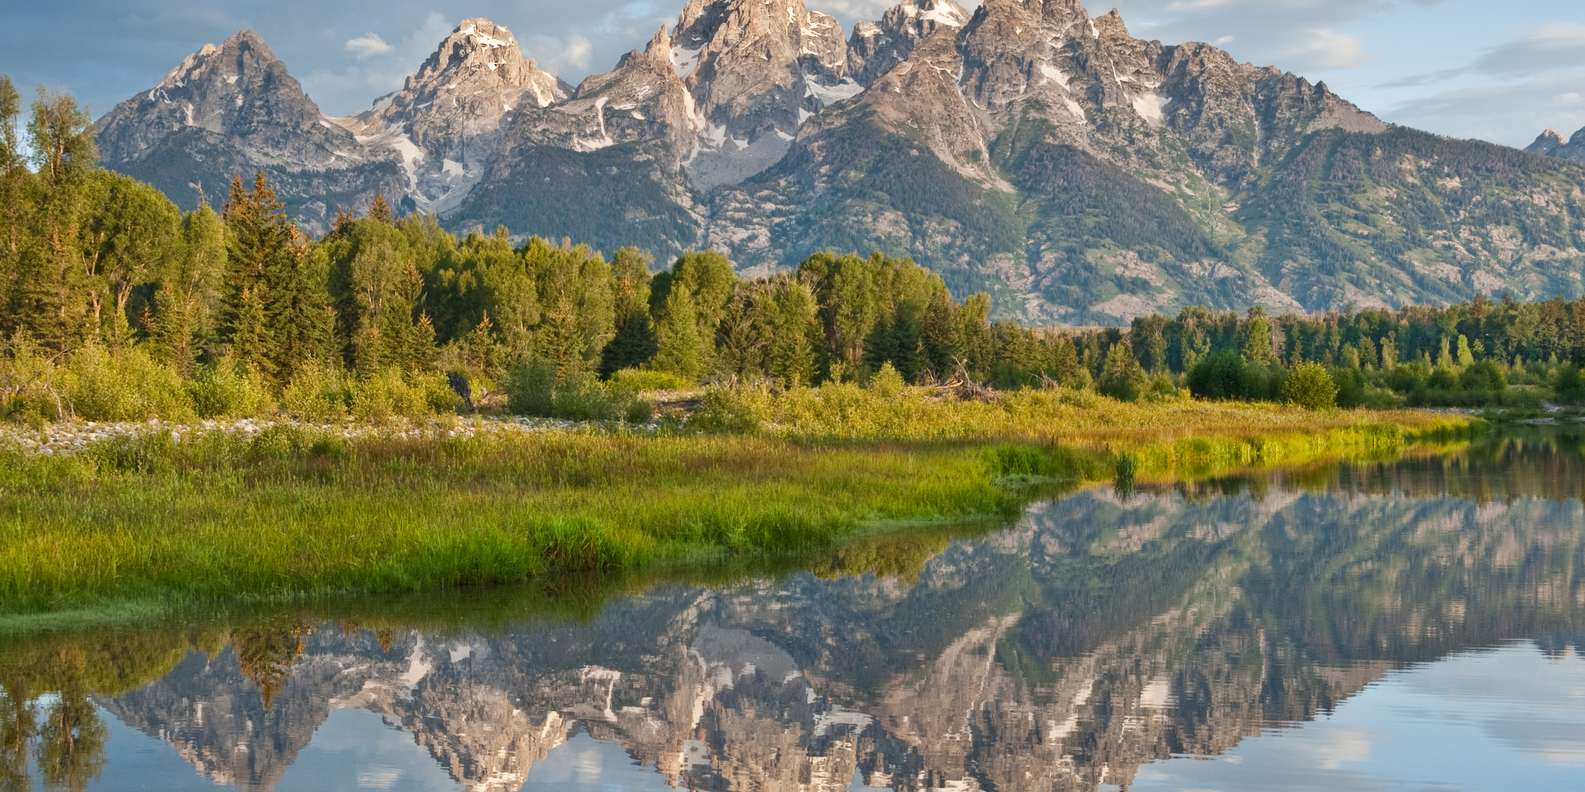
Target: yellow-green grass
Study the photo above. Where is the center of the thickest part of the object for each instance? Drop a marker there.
(146, 524)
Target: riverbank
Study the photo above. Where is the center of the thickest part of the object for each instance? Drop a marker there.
(144, 522)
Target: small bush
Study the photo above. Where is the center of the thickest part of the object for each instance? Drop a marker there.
(1569, 385)
(740, 410)
(393, 393)
(1161, 388)
(124, 385)
(531, 388)
(536, 388)
(224, 389)
(1352, 390)
(888, 382)
(279, 443)
(33, 387)
(643, 380)
(317, 393)
(1310, 385)
(1484, 377)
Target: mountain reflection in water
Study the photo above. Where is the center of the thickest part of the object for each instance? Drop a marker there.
(1411, 624)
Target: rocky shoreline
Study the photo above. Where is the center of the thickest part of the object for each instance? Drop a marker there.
(75, 436)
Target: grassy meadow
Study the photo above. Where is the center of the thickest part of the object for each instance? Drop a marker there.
(143, 523)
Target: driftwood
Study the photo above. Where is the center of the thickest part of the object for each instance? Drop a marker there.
(962, 386)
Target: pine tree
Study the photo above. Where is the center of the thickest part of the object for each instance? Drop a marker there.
(794, 328)
(634, 342)
(173, 328)
(250, 338)
(380, 210)
(1258, 344)
(1122, 378)
(679, 347)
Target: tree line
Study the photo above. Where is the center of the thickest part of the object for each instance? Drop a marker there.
(105, 286)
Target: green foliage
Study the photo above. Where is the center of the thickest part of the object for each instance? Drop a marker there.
(32, 387)
(224, 389)
(1310, 385)
(537, 387)
(1122, 378)
(317, 392)
(887, 383)
(680, 347)
(123, 385)
(1483, 377)
(1569, 385)
(642, 380)
(393, 393)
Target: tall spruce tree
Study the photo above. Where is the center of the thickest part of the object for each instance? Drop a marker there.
(679, 346)
(634, 342)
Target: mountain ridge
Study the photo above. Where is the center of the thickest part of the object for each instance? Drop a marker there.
(1078, 174)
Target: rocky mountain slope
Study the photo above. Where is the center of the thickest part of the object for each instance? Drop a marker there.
(231, 110)
(1551, 144)
(1028, 149)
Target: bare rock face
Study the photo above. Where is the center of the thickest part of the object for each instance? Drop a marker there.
(443, 124)
(757, 69)
(1551, 144)
(237, 89)
(232, 110)
(876, 47)
(604, 166)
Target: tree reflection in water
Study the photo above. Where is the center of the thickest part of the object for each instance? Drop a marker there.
(1104, 632)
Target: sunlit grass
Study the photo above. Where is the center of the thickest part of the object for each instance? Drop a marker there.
(292, 514)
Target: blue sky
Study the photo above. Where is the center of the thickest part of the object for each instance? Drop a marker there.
(1467, 68)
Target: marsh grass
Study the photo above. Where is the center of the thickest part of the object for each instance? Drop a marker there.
(151, 523)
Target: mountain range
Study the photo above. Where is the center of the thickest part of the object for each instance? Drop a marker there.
(1027, 149)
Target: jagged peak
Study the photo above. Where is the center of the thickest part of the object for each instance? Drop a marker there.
(485, 32)
(242, 41)
(250, 38)
(943, 12)
(1111, 25)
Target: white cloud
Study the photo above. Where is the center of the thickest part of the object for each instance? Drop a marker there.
(1505, 112)
(367, 46)
(1321, 48)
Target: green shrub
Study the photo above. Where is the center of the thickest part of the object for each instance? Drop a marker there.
(1569, 385)
(1352, 390)
(124, 385)
(224, 389)
(393, 393)
(1219, 376)
(535, 387)
(1122, 378)
(1310, 385)
(739, 410)
(642, 380)
(1161, 388)
(317, 393)
(531, 388)
(888, 382)
(1484, 377)
(32, 387)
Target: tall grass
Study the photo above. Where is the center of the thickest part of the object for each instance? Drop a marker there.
(292, 513)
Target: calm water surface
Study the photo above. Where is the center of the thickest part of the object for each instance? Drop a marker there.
(1416, 625)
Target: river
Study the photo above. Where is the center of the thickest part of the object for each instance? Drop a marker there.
(1416, 624)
